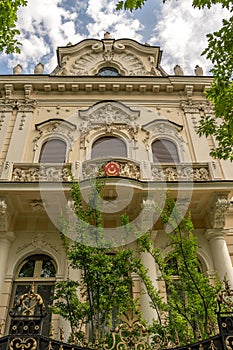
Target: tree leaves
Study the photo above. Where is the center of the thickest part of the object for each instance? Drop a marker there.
(8, 31)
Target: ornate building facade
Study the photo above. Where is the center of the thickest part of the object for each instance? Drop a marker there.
(108, 104)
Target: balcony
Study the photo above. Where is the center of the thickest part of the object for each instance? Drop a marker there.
(121, 167)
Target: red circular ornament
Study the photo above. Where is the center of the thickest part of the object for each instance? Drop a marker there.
(112, 169)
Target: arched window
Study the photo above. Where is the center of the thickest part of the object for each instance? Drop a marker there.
(108, 71)
(53, 151)
(39, 270)
(164, 151)
(109, 146)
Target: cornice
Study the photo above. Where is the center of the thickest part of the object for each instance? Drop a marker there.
(188, 85)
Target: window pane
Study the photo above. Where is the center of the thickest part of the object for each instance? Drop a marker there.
(20, 290)
(109, 146)
(53, 151)
(27, 269)
(108, 71)
(48, 269)
(164, 151)
(46, 291)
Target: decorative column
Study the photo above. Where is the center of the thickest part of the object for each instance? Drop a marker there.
(5, 241)
(216, 237)
(220, 254)
(146, 225)
(148, 312)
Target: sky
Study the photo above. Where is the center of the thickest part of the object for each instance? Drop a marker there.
(176, 27)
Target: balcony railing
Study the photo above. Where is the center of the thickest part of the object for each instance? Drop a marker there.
(127, 168)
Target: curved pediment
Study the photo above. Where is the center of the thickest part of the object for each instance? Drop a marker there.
(126, 56)
(108, 115)
(109, 112)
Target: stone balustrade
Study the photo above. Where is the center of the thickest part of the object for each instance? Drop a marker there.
(128, 168)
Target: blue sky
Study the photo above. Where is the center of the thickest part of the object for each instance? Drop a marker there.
(176, 27)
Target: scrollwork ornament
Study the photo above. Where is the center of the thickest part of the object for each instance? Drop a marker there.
(229, 342)
(23, 344)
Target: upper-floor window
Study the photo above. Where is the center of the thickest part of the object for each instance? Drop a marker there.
(109, 146)
(108, 71)
(53, 151)
(164, 151)
(40, 271)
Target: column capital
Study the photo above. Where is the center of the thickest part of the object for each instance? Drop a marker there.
(219, 205)
(215, 233)
(9, 236)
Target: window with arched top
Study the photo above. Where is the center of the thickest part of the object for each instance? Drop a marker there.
(164, 151)
(40, 271)
(53, 151)
(108, 71)
(109, 146)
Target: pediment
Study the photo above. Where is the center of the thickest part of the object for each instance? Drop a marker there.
(109, 112)
(162, 126)
(127, 56)
(108, 116)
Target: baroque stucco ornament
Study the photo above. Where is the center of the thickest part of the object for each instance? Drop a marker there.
(218, 209)
(108, 117)
(127, 56)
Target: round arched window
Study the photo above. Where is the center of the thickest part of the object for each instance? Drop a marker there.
(109, 146)
(40, 271)
(53, 151)
(108, 71)
(164, 151)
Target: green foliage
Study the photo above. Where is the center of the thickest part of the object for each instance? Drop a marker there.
(8, 30)
(220, 52)
(67, 303)
(104, 291)
(190, 306)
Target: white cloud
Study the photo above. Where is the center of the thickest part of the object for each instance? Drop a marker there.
(44, 26)
(181, 33)
(178, 29)
(105, 18)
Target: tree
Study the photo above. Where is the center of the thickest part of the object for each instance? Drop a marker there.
(106, 279)
(191, 297)
(8, 31)
(220, 52)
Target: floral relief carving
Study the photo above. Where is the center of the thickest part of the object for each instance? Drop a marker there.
(218, 209)
(108, 118)
(3, 215)
(56, 127)
(41, 173)
(39, 241)
(179, 173)
(197, 107)
(109, 112)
